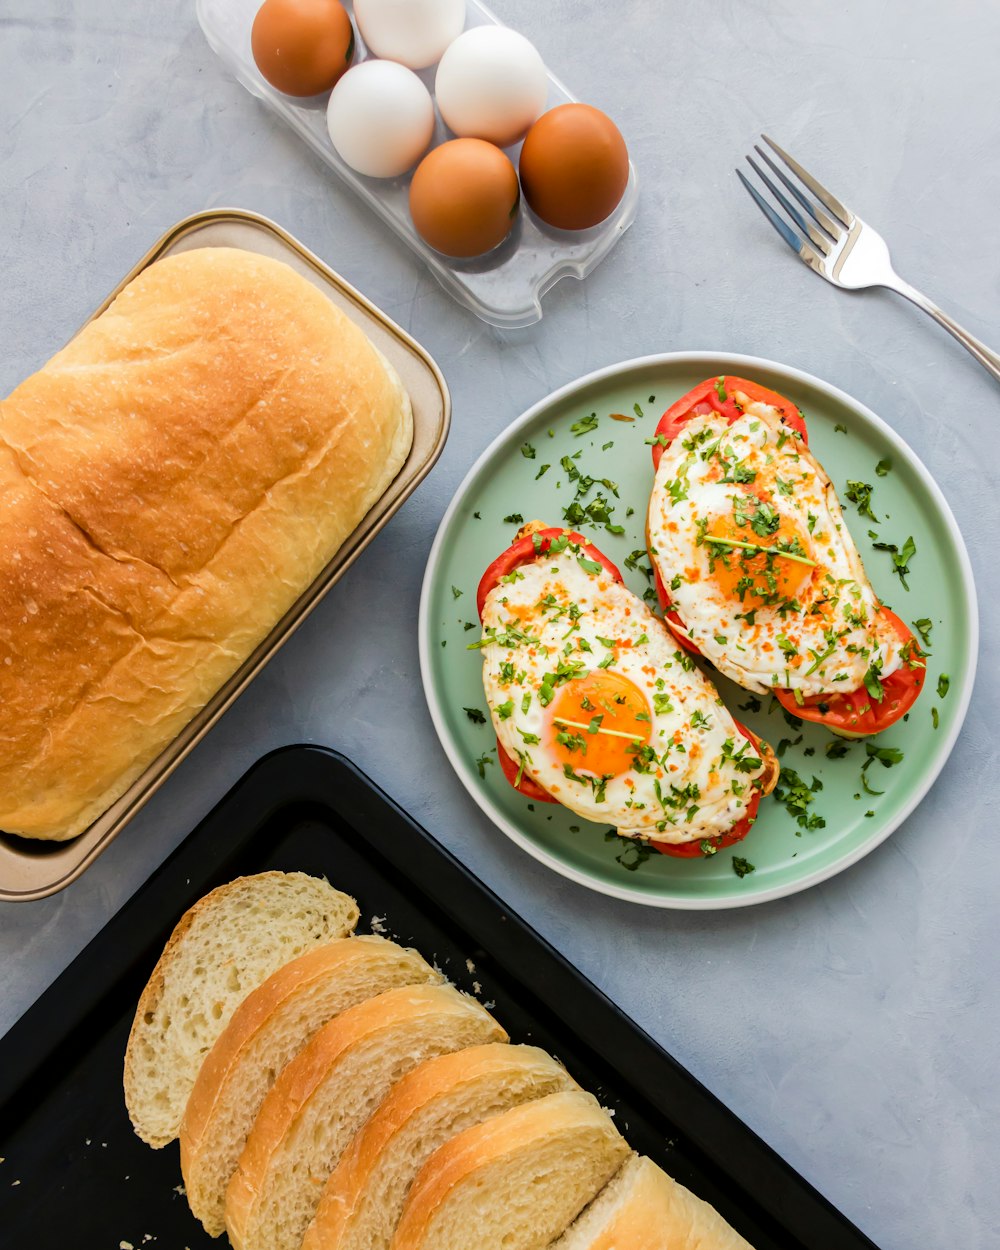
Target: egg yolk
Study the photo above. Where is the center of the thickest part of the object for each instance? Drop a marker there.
(595, 722)
(748, 574)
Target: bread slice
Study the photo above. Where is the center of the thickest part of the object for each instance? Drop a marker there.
(515, 1182)
(221, 948)
(364, 1197)
(642, 1208)
(267, 1030)
(327, 1092)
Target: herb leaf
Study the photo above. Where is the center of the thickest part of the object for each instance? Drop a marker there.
(584, 425)
(860, 494)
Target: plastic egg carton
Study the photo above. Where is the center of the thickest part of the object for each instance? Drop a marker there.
(504, 287)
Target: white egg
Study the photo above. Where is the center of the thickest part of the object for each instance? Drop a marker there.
(591, 697)
(380, 118)
(491, 84)
(413, 32)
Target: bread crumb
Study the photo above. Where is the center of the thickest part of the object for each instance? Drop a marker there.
(125, 1245)
(470, 966)
(489, 1006)
(13, 1183)
(378, 925)
(477, 989)
(179, 1189)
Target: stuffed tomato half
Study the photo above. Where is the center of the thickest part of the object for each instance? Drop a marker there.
(756, 570)
(595, 706)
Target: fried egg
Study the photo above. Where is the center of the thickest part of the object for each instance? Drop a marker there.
(747, 536)
(591, 697)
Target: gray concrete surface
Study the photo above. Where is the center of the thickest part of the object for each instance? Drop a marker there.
(853, 1026)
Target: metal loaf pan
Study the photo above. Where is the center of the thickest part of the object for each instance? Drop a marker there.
(31, 869)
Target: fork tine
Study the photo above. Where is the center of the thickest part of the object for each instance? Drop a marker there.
(818, 240)
(817, 188)
(782, 226)
(815, 211)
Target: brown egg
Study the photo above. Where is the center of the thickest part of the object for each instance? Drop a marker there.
(302, 46)
(574, 167)
(464, 197)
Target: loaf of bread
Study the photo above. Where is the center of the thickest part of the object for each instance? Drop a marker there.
(170, 483)
(516, 1181)
(266, 1032)
(324, 1096)
(364, 1197)
(643, 1208)
(221, 949)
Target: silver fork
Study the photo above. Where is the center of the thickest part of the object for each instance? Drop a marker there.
(838, 245)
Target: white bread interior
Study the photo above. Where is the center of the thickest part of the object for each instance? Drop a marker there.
(170, 483)
(221, 949)
(514, 1182)
(643, 1208)
(364, 1196)
(324, 1096)
(266, 1031)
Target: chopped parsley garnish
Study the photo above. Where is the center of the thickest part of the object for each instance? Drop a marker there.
(836, 750)
(475, 715)
(883, 467)
(504, 710)
(456, 593)
(900, 557)
(481, 763)
(873, 682)
(588, 566)
(886, 756)
(840, 429)
(923, 628)
(637, 409)
(797, 796)
(860, 494)
(944, 681)
(542, 471)
(634, 852)
(584, 425)
(527, 451)
(935, 719)
(742, 866)
(720, 388)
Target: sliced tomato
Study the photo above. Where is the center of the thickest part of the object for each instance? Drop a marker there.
(715, 395)
(693, 850)
(855, 712)
(531, 547)
(527, 785)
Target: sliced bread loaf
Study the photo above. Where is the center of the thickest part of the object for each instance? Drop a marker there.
(268, 1029)
(324, 1096)
(364, 1196)
(222, 948)
(643, 1208)
(514, 1182)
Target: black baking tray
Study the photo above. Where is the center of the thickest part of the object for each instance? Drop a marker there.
(74, 1173)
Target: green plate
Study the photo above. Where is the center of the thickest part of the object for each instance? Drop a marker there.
(786, 855)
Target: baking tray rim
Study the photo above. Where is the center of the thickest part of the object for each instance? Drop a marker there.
(74, 855)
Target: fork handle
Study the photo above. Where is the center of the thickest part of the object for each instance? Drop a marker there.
(989, 359)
